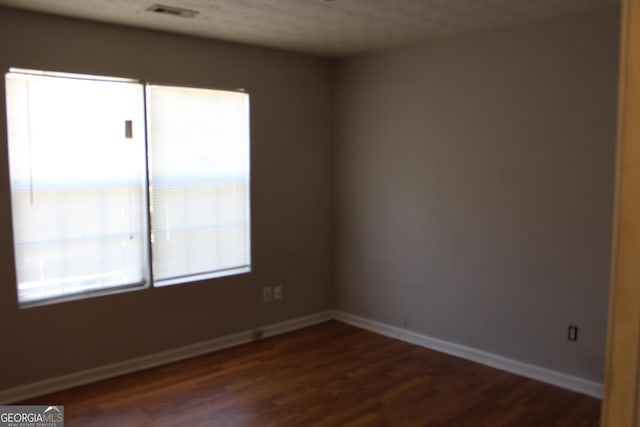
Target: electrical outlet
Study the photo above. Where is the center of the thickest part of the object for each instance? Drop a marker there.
(266, 294)
(277, 293)
(573, 333)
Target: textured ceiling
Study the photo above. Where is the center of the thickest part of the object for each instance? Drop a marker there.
(329, 28)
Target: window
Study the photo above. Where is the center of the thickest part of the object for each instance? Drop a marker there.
(117, 185)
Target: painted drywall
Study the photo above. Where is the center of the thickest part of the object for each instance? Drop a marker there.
(291, 126)
(474, 188)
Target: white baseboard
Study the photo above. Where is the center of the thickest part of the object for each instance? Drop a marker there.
(85, 377)
(109, 371)
(538, 373)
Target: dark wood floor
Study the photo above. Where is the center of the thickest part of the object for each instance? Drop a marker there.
(326, 375)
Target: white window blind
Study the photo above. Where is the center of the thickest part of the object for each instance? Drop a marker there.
(88, 171)
(199, 148)
(77, 184)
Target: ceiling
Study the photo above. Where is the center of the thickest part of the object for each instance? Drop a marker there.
(328, 28)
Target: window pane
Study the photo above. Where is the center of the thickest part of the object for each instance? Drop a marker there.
(199, 143)
(77, 184)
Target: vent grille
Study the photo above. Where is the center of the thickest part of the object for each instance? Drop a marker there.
(172, 10)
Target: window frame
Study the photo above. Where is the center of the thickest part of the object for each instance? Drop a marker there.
(148, 280)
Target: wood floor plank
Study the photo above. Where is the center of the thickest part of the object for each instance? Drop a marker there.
(326, 375)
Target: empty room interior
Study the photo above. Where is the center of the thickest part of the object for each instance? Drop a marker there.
(441, 200)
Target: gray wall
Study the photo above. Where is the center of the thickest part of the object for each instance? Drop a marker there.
(474, 188)
(291, 153)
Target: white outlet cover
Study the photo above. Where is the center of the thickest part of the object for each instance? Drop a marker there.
(277, 292)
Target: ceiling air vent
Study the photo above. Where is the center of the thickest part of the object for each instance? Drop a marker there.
(172, 10)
